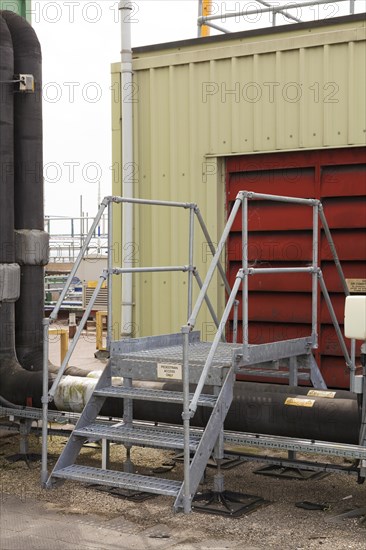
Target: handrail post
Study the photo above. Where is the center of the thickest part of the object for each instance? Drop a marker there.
(314, 309)
(186, 420)
(110, 276)
(45, 399)
(190, 261)
(245, 291)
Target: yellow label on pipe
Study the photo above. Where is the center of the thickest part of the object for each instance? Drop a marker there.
(298, 402)
(322, 393)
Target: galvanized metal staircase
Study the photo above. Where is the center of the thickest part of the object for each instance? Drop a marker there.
(145, 364)
(184, 357)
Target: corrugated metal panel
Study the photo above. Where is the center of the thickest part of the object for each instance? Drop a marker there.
(288, 90)
(21, 7)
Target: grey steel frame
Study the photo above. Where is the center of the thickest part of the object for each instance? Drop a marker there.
(265, 7)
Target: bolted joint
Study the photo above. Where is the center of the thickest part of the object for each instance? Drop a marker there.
(46, 400)
(186, 329)
(186, 416)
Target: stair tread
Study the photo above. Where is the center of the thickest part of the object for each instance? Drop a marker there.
(153, 395)
(139, 436)
(123, 480)
(271, 373)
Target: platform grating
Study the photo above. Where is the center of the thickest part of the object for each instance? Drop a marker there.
(86, 474)
(198, 353)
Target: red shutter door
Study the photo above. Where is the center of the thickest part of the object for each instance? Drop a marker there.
(281, 235)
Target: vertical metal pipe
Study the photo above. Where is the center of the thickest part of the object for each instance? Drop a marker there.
(314, 313)
(235, 321)
(245, 284)
(186, 421)
(199, 27)
(353, 365)
(125, 7)
(44, 470)
(190, 273)
(110, 276)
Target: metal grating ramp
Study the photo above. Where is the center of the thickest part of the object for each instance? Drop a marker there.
(137, 436)
(153, 395)
(86, 474)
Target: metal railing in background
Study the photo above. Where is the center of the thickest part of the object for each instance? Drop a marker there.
(218, 12)
(68, 235)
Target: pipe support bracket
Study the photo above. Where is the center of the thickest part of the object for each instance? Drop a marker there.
(9, 282)
(31, 247)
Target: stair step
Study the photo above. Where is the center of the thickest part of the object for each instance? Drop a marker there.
(110, 478)
(153, 395)
(138, 436)
(272, 373)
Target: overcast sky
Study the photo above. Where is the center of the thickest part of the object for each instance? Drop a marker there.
(80, 39)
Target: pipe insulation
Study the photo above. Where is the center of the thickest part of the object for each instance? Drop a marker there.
(17, 385)
(271, 409)
(31, 242)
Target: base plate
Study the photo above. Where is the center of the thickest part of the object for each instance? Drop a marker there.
(227, 462)
(227, 503)
(28, 458)
(135, 496)
(286, 472)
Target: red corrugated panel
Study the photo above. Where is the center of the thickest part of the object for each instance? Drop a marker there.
(280, 235)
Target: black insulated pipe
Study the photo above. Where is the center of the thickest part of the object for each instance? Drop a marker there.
(28, 192)
(16, 384)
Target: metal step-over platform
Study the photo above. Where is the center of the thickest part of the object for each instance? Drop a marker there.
(184, 358)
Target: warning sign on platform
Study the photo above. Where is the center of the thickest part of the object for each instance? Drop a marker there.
(169, 371)
(356, 286)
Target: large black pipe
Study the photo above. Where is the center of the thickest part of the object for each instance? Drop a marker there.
(264, 410)
(28, 191)
(16, 384)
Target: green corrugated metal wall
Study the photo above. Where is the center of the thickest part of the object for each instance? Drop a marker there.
(21, 7)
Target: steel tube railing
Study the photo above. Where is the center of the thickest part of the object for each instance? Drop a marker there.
(215, 343)
(212, 249)
(271, 270)
(53, 315)
(80, 328)
(214, 262)
(205, 20)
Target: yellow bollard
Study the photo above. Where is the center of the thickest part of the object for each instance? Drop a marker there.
(99, 316)
(64, 340)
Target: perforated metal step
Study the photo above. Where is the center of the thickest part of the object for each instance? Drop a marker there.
(153, 395)
(140, 437)
(267, 373)
(86, 474)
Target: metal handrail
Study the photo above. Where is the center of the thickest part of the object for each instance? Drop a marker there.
(242, 200)
(267, 8)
